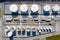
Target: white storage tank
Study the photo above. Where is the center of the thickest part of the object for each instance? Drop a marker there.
(24, 10)
(46, 10)
(55, 10)
(34, 10)
(14, 10)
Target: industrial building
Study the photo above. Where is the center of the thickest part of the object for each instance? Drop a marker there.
(29, 19)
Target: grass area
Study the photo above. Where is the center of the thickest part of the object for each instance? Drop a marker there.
(56, 37)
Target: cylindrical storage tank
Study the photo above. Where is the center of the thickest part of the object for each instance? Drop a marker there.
(28, 32)
(13, 29)
(34, 10)
(6, 32)
(50, 29)
(24, 10)
(11, 38)
(19, 31)
(46, 10)
(10, 33)
(33, 32)
(14, 33)
(55, 10)
(14, 10)
(7, 29)
(44, 29)
(23, 32)
(39, 31)
(47, 29)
